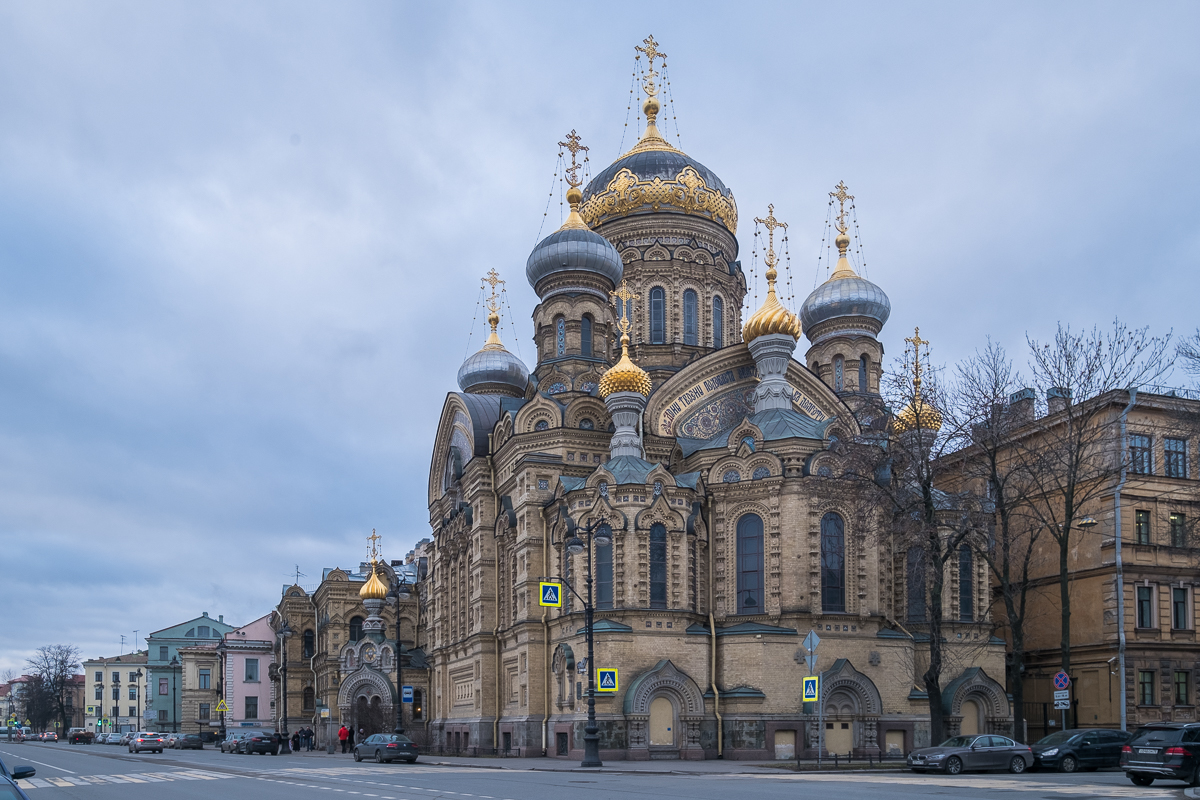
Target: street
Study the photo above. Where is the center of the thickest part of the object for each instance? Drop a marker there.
(106, 772)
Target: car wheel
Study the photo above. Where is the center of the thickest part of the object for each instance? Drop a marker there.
(1017, 765)
(1068, 764)
(1140, 780)
(954, 765)
(1195, 781)
(357, 756)
(378, 756)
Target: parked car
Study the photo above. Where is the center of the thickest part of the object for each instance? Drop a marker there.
(115, 738)
(1163, 750)
(233, 741)
(18, 772)
(1080, 748)
(10, 791)
(171, 739)
(263, 742)
(386, 747)
(147, 740)
(188, 741)
(983, 752)
(125, 737)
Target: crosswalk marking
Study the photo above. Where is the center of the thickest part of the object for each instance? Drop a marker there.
(137, 777)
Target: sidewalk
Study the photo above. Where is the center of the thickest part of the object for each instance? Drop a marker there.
(708, 767)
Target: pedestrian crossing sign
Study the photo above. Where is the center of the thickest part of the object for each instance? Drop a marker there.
(606, 680)
(221, 707)
(812, 688)
(550, 594)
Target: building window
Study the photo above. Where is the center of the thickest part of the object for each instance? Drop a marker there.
(718, 323)
(560, 336)
(202, 632)
(1178, 529)
(542, 425)
(586, 424)
(251, 670)
(1141, 527)
(162, 715)
(1145, 687)
(99, 677)
(310, 644)
(162, 652)
(133, 676)
(915, 584)
(356, 628)
(1141, 458)
(750, 564)
(1175, 457)
(760, 473)
(310, 698)
(163, 687)
(418, 704)
(116, 678)
(1145, 607)
(204, 712)
(658, 565)
(731, 476)
(133, 693)
(658, 316)
(205, 679)
(116, 692)
(839, 373)
(833, 563)
(99, 692)
(251, 708)
(966, 584)
(604, 572)
(862, 373)
(1179, 608)
(132, 711)
(690, 313)
(1183, 694)
(585, 335)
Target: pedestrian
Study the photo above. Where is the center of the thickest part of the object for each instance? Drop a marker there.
(276, 740)
(344, 737)
(296, 742)
(312, 738)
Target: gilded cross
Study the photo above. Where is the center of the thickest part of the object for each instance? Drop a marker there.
(652, 52)
(492, 278)
(770, 223)
(374, 538)
(621, 298)
(916, 341)
(573, 145)
(841, 195)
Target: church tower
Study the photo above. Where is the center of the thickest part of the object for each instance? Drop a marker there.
(842, 319)
(494, 370)
(674, 223)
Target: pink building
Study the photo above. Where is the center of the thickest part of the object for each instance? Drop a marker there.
(248, 690)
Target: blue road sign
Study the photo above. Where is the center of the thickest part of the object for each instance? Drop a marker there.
(550, 594)
(606, 680)
(406, 694)
(812, 688)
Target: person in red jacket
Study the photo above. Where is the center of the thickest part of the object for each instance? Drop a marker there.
(344, 737)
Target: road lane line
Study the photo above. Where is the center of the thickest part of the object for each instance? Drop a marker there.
(39, 763)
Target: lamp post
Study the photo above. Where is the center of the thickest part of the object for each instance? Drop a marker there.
(117, 706)
(221, 650)
(137, 688)
(401, 590)
(174, 665)
(284, 632)
(598, 533)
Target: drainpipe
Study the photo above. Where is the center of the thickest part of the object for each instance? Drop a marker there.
(1120, 563)
(545, 643)
(712, 633)
(496, 604)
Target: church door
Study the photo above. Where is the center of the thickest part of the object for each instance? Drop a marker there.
(970, 718)
(839, 737)
(662, 722)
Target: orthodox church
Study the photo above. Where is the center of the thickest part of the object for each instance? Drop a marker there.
(693, 453)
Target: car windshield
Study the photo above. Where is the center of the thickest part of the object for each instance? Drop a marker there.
(958, 741)
(1157, 736)
(8, 791)
(1058, 737)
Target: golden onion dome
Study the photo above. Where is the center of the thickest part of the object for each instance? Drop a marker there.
(918, 414)
(373, 589)
(624, 376)
(772, 316)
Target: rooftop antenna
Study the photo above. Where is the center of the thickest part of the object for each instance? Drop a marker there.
(299, 575)
(135, 638)
(122, 644)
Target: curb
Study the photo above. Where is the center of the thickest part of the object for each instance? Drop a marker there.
(1191, 792)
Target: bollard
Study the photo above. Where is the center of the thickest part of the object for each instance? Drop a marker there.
(835, 760)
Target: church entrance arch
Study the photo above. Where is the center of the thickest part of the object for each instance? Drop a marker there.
(663, 710)
(851, 709)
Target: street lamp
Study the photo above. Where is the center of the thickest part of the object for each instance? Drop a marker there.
(284, 633)
(117, 706)
(174, 665)
(221, 651)
(137, 688)
(600, 534)
(401, 590)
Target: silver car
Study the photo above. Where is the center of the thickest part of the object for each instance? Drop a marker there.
(983, 752)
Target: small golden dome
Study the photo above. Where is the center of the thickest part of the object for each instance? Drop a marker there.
(918, 414)
(625, 376)
(373, 589)
(771, 317)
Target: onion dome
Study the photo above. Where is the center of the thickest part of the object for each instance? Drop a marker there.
(624, 376)
(845, 294)
(772, 316)
(573, 248)
(917, 415)
(493, 370)
(373, 589)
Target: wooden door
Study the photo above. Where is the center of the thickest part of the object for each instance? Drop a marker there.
(970, 718)
(662, 722)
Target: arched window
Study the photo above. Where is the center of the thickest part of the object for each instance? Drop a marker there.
(839, 376)
(915, 582)
(718, 323)
(750, 564)
(658, 565)
(833, 563)
(862, 373)
(560, 337)
(604, 571)
(690, 314)
(356, 628)
(418, 704)
(966, 584)
(658, 316)
(585, 336)
(310, 698)
(310, 644)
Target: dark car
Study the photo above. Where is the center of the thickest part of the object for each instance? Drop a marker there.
(233, 741)
(262, 742)
(983, 752)
(1080, 748)
(10, 791)
(1163, 750)
(188, 741)
(386, 747)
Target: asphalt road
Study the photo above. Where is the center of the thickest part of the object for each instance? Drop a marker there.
(99, 772)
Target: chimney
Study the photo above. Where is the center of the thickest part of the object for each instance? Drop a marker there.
(1021, 405)
(1057, 398)
(220, 618)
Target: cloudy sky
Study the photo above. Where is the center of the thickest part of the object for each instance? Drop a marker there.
(240, 243)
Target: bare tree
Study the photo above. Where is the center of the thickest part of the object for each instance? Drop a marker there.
(1070, 457)
(984, 424)
(54, 665)
(8, 675)
(1188, 353)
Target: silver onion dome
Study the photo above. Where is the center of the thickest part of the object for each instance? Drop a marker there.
(850, 296)
(493, 371)
(573, 250)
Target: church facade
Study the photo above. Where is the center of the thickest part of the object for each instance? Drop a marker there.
(693, 453)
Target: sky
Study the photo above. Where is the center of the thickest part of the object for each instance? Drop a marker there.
(241, 243)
